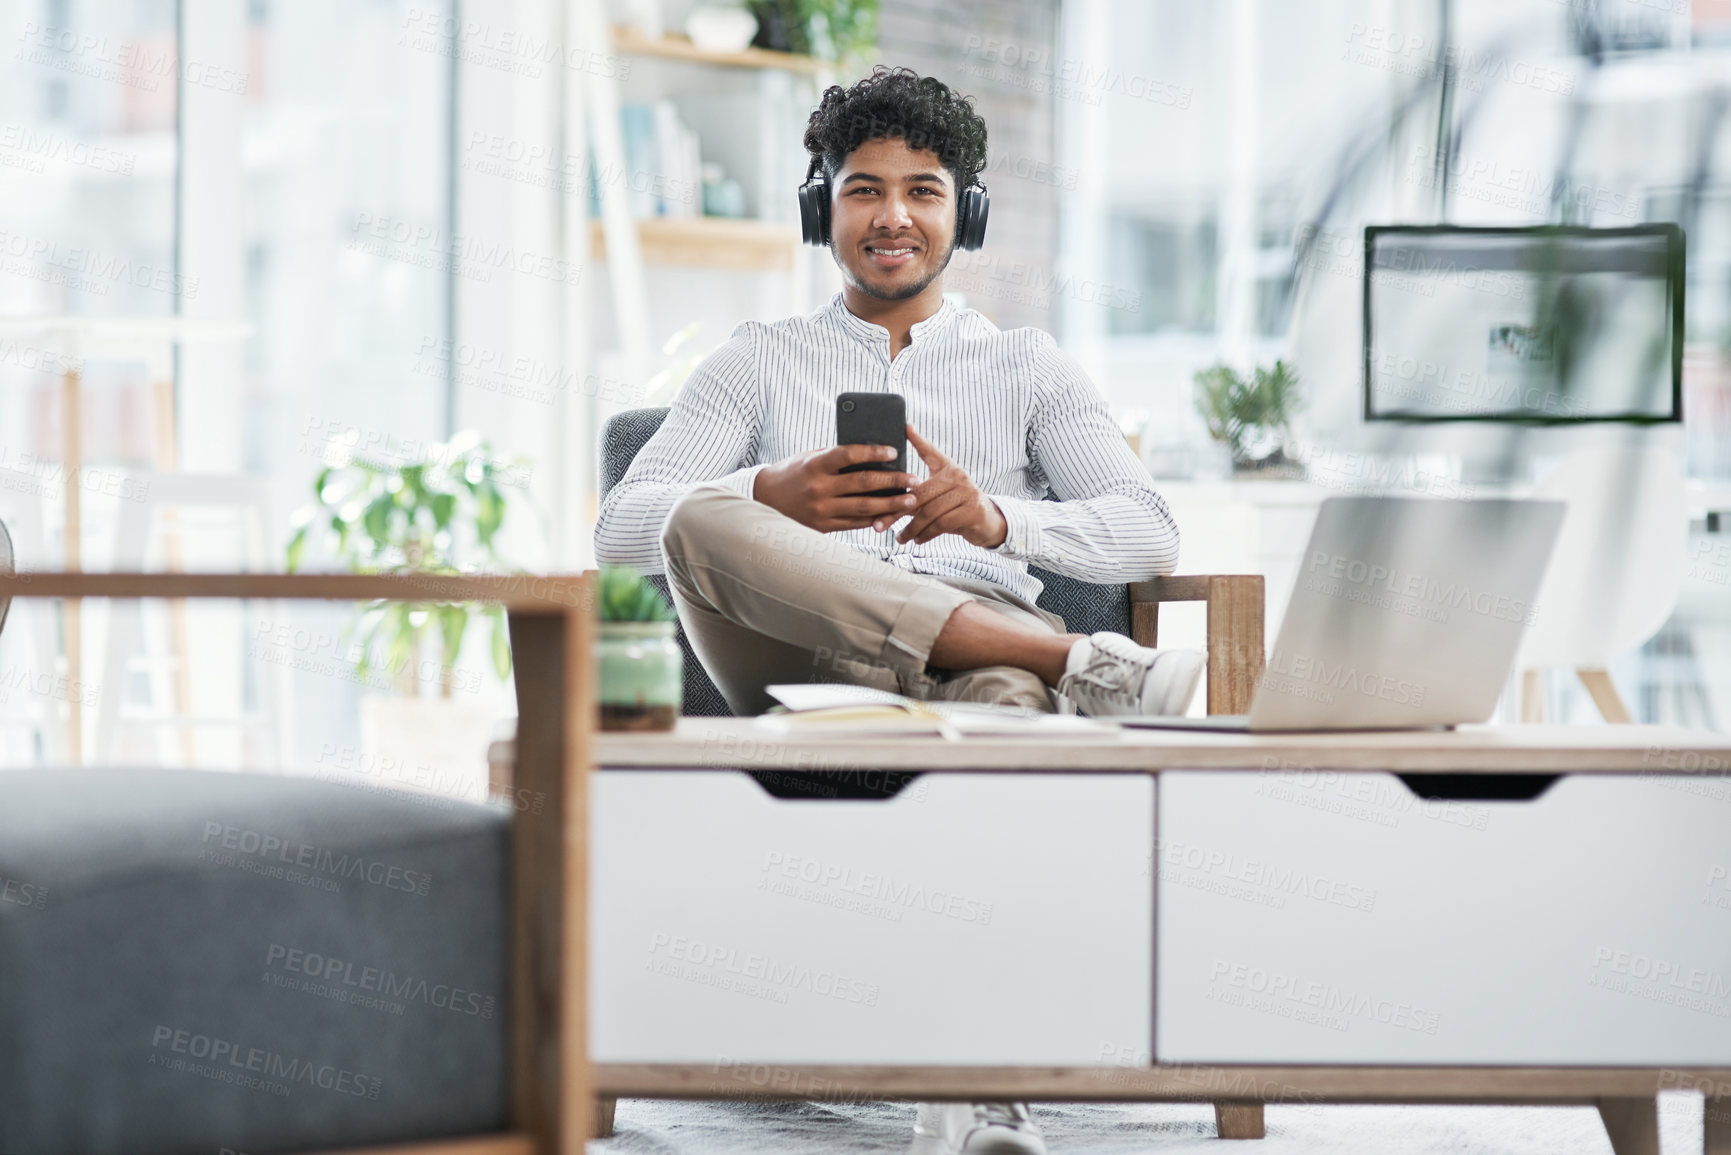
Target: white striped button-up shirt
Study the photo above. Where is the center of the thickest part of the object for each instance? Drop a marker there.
(1011, 409)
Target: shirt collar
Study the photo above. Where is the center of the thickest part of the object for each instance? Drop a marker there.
(873, 334)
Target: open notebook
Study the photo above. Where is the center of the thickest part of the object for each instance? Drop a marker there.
(831, 709)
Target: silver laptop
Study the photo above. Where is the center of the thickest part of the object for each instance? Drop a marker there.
(1406, 614)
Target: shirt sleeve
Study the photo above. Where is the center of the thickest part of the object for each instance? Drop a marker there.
(1109, 523)
(710, 434)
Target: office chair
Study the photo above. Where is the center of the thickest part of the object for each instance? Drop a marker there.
(1235, 603)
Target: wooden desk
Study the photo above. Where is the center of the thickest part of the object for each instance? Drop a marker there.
(739, 743)
(1471, 761)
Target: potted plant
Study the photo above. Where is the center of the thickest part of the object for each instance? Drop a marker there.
(642, 670)
(842, 31)
(439, 513)
(1252, 418)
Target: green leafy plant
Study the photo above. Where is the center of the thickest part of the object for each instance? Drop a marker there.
(1253, 417)
(627, 596)
(842, 31)
(440, 515)
(846, 31)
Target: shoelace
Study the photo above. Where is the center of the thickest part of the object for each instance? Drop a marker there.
(1097, 674)
(1002, 1114)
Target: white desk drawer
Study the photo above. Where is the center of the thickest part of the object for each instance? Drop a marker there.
(1340, 918)
(970, 919)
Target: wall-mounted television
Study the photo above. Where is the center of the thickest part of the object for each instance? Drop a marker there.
(1550, 325)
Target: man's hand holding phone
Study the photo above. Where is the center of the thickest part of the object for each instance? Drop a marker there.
(845, 487)
(811, 488)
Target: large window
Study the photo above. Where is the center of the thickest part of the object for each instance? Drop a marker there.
(87, 179)
(1236, 216)
(226, 262)
(1172, 256)
(346, 234)
(88, 159)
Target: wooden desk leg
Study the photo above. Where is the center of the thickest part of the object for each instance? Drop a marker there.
(1716, 1127)
(1632, 1124)
(551, 1084)
(604, 1109)
(1239, 1119)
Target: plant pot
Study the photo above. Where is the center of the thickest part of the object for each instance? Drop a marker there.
(642, 675)
(779, 27)
(720, 28)
(1271, 466)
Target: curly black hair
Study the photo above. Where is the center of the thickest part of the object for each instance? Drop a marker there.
(898, 102)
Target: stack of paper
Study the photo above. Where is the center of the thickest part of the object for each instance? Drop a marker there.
(831, 709)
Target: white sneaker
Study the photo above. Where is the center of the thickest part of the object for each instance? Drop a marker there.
(1108, 674)
(976, 1129)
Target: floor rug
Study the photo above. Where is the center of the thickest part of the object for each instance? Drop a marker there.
(651, 1127)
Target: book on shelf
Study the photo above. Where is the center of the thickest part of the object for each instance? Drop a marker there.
(663, 175)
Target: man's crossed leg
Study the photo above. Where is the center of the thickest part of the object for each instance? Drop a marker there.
(766, 600)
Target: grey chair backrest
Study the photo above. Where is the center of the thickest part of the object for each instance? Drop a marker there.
(1085, 606)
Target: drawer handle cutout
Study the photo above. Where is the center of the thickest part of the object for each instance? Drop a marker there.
(833, 785)
(1478, 787)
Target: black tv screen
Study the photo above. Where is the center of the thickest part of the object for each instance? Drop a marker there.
(1544, 325)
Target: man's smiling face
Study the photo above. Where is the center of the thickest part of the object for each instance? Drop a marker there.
(892, 219)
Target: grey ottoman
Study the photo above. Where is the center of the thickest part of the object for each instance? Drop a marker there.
(194, 961)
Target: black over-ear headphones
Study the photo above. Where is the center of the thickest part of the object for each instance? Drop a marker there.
(971, 211)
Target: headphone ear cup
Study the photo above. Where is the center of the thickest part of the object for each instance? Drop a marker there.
(813, 225)
(971, 219)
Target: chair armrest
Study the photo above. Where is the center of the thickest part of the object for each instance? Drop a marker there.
(1236, 605)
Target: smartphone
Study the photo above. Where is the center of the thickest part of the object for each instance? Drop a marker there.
(874, 419)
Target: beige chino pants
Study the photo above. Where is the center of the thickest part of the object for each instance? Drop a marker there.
(767, 600)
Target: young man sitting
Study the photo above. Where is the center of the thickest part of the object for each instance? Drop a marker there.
(783, 572)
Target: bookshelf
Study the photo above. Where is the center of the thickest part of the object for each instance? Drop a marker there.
(742, 244)
(628, 41)
(743, 110)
